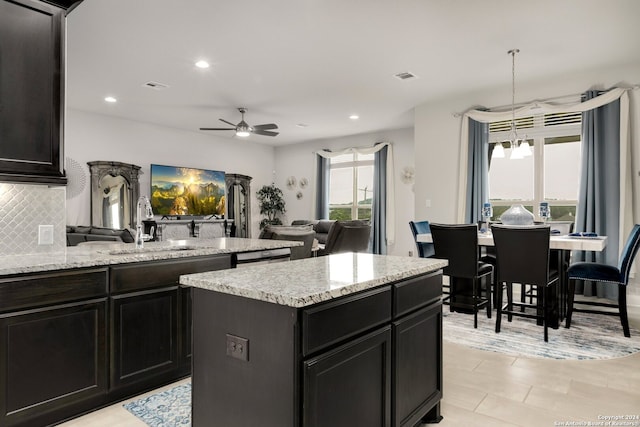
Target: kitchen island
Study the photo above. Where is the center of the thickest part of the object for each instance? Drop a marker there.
(343, 340)
(100, 323)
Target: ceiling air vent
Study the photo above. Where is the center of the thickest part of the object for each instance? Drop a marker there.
(155, 85)
(406, 75)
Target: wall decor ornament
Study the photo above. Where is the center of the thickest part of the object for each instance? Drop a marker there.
(299, 195)
(291, 182)
(303, 182)
(407, 175)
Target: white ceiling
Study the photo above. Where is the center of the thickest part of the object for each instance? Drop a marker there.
(318, 61)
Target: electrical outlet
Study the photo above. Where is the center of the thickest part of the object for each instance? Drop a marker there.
(238, 347)
(410, 253)
(45, 234)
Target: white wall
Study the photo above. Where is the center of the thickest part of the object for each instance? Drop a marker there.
(299, 161)
(90, 137)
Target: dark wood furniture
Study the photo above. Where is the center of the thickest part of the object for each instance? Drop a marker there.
(75, 340)
(372, 358)
(609, 275)
(458, 244)
(522, 258)
(32, 90)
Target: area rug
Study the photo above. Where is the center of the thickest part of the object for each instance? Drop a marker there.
(168, 408)
(590, 337)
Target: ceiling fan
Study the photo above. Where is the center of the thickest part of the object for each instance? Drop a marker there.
(243, 129)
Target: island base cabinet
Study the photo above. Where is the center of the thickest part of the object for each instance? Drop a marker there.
(418, 367)
(371, 358)
(53, 363)
(351, 385)
(229, 391)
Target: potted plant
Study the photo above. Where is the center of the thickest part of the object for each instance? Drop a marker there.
(271, 202)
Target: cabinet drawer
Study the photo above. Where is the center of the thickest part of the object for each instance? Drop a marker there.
(38, 290)
(334, 321)
(145, 275)
(417, 292)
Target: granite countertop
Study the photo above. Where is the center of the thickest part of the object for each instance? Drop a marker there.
(309, 281)
(103, 254)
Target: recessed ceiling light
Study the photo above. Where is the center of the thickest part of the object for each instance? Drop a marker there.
(110, 99)
(202, 64)
(354, 117)
(302, 125)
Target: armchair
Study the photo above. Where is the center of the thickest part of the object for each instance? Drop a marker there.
(347, 236)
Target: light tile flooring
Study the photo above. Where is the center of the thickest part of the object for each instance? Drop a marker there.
(490, 389)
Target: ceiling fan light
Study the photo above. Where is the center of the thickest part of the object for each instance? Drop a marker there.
(242, 133)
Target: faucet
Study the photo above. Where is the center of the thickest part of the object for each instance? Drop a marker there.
(148, 213)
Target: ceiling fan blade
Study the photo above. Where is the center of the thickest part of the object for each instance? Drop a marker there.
(229, 123)
(264, 132)
(217, 128)
(266, 126)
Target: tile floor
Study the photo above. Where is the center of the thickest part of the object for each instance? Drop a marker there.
(490, 389)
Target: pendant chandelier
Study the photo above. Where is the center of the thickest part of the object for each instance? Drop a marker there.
(519, 146)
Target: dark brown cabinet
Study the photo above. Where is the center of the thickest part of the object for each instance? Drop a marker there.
(75, 340)
(53, 355)
(144, 338)
(350, 385)
(31, 91)
(417, 367)
(151, 321)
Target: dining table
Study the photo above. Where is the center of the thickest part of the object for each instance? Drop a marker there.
(561, 243)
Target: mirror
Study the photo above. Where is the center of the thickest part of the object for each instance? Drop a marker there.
(239, 203)
(114, 194)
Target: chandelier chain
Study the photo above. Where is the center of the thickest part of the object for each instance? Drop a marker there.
(513, 88)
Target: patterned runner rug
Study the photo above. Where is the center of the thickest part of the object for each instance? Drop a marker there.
(590, 337)
(168, 408)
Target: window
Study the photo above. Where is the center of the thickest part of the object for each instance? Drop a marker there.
(551, 173)
(351, 186)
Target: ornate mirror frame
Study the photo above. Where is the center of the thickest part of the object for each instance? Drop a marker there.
(130, 173)
(239, 202)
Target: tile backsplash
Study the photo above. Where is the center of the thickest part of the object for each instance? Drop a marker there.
(23, 208)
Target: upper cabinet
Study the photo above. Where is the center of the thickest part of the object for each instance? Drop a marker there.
(32, 90)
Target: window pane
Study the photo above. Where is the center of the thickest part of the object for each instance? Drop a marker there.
(341, 186)
(511, 179)
(563, 213)
(561, 169)
(340, 213)
(365, 184)
(364, 213)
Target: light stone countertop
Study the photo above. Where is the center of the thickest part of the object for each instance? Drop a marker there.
(309, 281)
(104, 254)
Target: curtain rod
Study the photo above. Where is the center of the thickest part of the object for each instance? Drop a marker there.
(541, 101)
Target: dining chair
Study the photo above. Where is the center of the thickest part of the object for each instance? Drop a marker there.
(609, 275)
(458, 243)
(425, 250)
(522, 258)
(559, 259)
